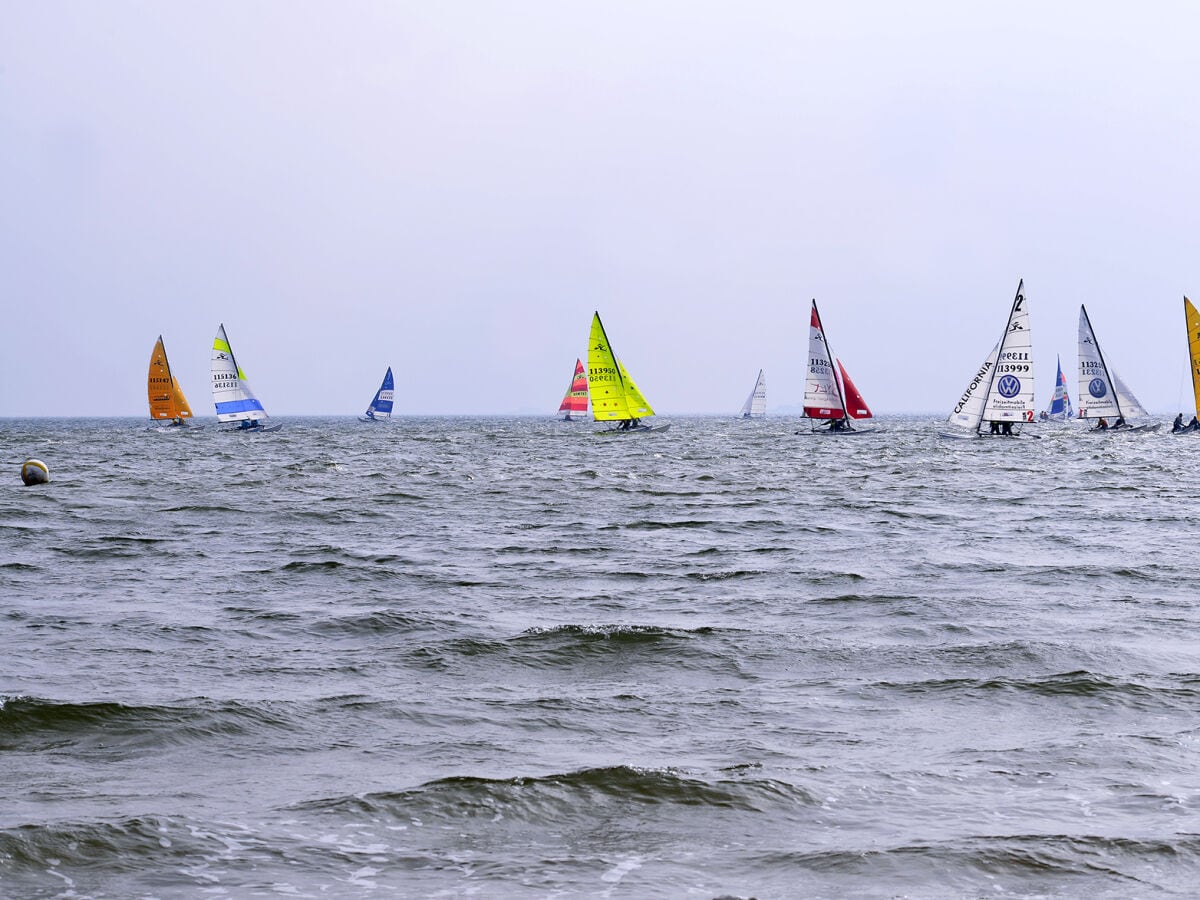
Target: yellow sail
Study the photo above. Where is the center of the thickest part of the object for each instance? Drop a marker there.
(614, 395)
(165, 395)
(1193, 327)
(633, 397)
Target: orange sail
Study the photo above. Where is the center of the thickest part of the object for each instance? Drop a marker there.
(166, 397)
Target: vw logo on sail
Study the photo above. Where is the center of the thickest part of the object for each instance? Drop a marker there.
(1009, 386)
(1097, 388)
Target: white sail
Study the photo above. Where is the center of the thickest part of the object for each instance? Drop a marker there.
(822, 393)
(755, 406)
(968, 412)
(1101, 391)
(1002, 389)
(230, 390)
(1129, 403)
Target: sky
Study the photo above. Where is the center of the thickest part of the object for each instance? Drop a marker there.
(452, 189)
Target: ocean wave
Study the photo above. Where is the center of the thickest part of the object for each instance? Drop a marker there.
(31, 723)
(571, 795)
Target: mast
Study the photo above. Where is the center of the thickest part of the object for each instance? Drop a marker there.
(1016, 308)
(837, 382)
(1103, 365)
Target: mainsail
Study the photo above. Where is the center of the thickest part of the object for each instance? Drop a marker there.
(755, 406)
(166, 396)
(1101, 390)
(381, 405)
(1060, 403)
(231, 392)
(613, 394)
(1002, 389)
(1193, 330)
(575, 400)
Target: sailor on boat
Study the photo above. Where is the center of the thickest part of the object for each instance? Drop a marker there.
(842, 424)
(1177, 425)
(1120, 423)
(247, 424)
(1102, 425)
(630, 424)
(1194, 425)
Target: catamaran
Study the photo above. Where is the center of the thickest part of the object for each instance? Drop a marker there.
(614, 396)
(829, 394)
(167, 403)
(1192, 318)
(231, 392)
(575, 400)
(1102, 393)
(1001, 393)
(755, 406)
(1060, 409)
(381, 405)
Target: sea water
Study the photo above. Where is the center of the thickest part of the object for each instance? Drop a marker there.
(515, 658)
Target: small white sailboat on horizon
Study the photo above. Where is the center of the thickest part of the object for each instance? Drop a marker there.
(614, 395)
(380, 407)
(1102, 393)
(829, 394)
(755, 406)
(234, 400)
(1001, 393)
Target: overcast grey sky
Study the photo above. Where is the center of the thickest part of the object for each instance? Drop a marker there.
(452, 188)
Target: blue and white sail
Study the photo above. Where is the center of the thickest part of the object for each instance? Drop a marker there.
(231, 392)
(381, 405)
(1060, 409)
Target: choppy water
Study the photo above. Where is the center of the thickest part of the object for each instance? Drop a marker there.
(507, 657)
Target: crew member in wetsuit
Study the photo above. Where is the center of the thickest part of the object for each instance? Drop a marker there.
(1102, 425)
(1177, 425)
(1006, 429)
(1120, 423)
(995, 427)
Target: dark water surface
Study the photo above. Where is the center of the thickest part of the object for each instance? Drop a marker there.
(508, 657)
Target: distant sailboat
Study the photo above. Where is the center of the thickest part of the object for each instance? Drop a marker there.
(829, 394)
(167, 402)
(381, 404)
(1060, 409)
(1001, 393)
(614, 396)
(1192, 319)
(1102, 393)
(575, 401)
(234, 400)
(755, 406)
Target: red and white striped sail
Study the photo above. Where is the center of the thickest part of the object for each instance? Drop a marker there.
(575, 401)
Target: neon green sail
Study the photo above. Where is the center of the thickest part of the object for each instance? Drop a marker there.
(614, 395)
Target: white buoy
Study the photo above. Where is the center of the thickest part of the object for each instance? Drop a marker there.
(34, 471)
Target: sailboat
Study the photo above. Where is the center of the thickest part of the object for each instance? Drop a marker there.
(381, 405)
(1102, 393)
(1192, 318)
(755, 406)
(614, 395)
(231, 392)
(1060, 409)
(167, 403)
(829, 394)
(1001, 392)
(575, 400)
